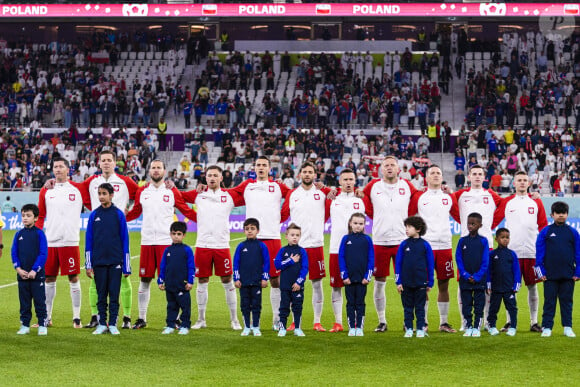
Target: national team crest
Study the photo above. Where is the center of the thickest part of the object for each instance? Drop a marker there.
(445, 201)
(71, 197)
(316, 196)
(485, 200)
(166, 198)
(401, 191)
(356, 206)
(116, 187)
(224, 199)
(271, 188)
(531, 210)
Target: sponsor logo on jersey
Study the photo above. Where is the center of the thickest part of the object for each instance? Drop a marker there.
(71, 197)
(531, 210)
(245, 249)
(21, 238)
(349, 243)
(166, 198)
(552, 235)
(98, 219)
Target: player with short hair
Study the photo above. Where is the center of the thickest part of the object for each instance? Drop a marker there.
(435, 207)
(387, 202)
(212, 249)
(157, 203)
(60, 211)
(525, 218)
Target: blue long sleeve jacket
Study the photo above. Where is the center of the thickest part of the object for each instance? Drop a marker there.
(30, 250)
(177, 267)
(472, 256)
(415, 263)
(251, 262)
(107, 239)
(558, 252)
(291, 272)
(504, 273)
(356, 257)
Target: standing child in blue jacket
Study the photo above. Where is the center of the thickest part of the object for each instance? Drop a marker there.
(292, 260)
(558, 265)
(107, 257)
(356, 259)
(504, 279)
(414, 266)
(176, 278)
(251, 274)
(29, 252)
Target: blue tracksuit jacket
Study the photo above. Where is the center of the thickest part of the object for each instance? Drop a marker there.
(504, 273)
(414, 263)
(472, 256)
(558, 252)
(356, 257)
(29, 251)
(251, 262)
(177, 267)
(292, 272)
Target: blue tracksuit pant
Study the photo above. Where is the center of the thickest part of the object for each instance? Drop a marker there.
(251, 304)
(413, 299)
(296, 300)
(108, 282)
(473, 301)
(564, 291)
(509, 300)
(355, 304)
(178, 300)
(32, 291)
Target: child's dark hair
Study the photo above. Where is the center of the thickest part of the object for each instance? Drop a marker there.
(560, 208)
(293, 226)
(107, 187)
(252, 222)
(31, 208)
(355, 215)
(475, 215)
(501, 230)
(417, 223)
(178, 227)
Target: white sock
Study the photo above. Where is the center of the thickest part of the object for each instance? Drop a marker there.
(533, 301)
(486, 308)
(50, 293)
(426, 312)
(317, 300)
(443, 312)
(143, 297)
(75, 296)
(231, 299)
(201, 300)
(380, 300)
(275, 301)
(337, 305)
(460, 304)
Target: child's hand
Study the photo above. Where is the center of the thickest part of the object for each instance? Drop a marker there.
(400, 289)
(31, 274)
(365, 282)
(238, 284)
(295, 257)
(346, 281)
(126, 275)
(471, 280)
(90, 273)
(264, 283)
(576, 278)
(188, 286)
(543, 279)
(23, 274)
(295, 287)
(161, 286)
(488, 292)
(428, 289)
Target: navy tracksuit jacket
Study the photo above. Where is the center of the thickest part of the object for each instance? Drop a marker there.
(414, 266)
(177, 269)
(251, 267)
(356, 259)
(107, 254)
(504, 280)
(291, 273)
(558, 259)
(29, 252)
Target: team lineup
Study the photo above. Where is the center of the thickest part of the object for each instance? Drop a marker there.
(410, 229)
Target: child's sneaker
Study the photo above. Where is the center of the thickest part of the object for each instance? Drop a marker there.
(468, 332)
(420, 333)
(23, 330)
(546, 332)
(246, 332)
(409, 333)
(359, 332)
(511, 332)
(281, 332)
(114, 330)
(183, 331)
(168, 331)
(42, 331)
(493, 331)
(568, 332)
(352, 332)
(475, 332)
(256, 331)
(100, 330)
(298, 332)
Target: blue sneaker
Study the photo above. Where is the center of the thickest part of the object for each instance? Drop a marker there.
(246, 332)
(42, 331)
(281, 332)
(100, 330)
(167, 331)
(183, 331)
(352, 332)
(468, 332)
(23, 330)
(298, 332)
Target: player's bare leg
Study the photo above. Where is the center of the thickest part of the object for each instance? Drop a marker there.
(143, 297)
(443, 306)
(232, 301)
(380, 302)
(75, 295)
(275, 301)
(201, 297)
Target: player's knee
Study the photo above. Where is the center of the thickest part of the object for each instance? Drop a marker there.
(74, 278)
(381, 279)
(226, 279)
(146, 279)
(50, 279)
(203, 280)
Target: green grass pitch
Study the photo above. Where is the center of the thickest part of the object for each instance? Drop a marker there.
(217, 355)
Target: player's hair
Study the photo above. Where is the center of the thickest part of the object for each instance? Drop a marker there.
(219, 169)
(293, 226)
(107, 187)
(31, 208)
(560, 208)
(108, 152)
(346, 170)
(476, 166)
(264, 158)
(500, 231)
(178, 227)
(57, 159)
(432, 166)
(475, 215)
(306, 164)
(518, 173)
(417, 223)
(390, 157)
(252, 222)
(157, 161)
(355, 215)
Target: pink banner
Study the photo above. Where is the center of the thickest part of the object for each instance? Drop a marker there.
(303, 10)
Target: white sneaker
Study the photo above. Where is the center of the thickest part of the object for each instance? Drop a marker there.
(475, 333)
(493, 331)
(359, 332)
(167, 331)
(256, 331)
(42, 331)
(511, 332)
(23, 330)
(281, 332)
(100, 330)
(236, 325)
(420, 333)
(468, 332)
(568, 332)
(352, 332)
(246, 332)
(408, 333)
(199, 324)
(183, 331)
(546, 332)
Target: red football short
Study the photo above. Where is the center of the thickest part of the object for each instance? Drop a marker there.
(273, 245)
(334, 269)
(527, 269)
(66, 257)
(383, 257)
(443, 264)
(150, 260)
(205, 259)
(316, 268)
